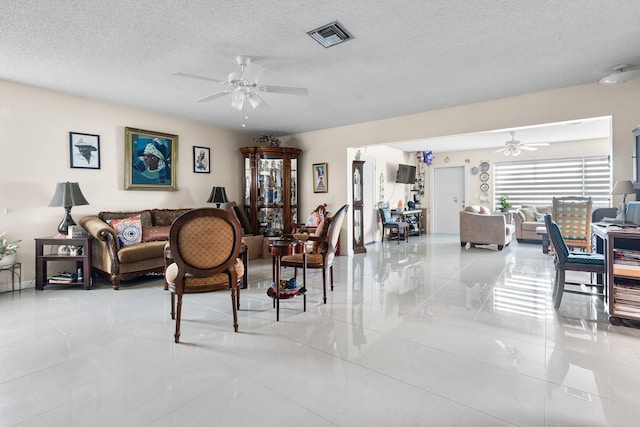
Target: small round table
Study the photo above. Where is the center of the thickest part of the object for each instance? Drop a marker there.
(280, 248)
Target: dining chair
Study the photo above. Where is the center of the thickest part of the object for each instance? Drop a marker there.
(566, 260)
(322, 251)
(572, 214)
(397, 228)
(204, 244)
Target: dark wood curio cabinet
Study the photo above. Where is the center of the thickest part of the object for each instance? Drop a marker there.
(271, 188)
(358, 227)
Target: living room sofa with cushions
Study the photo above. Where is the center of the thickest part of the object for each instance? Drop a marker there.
(478, 226)
(527, 219)
(129, 244)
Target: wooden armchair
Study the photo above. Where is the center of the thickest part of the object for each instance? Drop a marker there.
(573, 216)
(323, 250)
(205, 244)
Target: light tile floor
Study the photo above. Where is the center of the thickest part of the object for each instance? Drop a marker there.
(416, 334)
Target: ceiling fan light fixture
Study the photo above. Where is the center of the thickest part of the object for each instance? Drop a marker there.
(237, 99)
(255, 100)
(621, 74)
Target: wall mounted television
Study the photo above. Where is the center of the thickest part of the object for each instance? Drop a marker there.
(406, 174)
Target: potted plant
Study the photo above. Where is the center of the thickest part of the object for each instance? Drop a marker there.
(8, 250)
(504, 202)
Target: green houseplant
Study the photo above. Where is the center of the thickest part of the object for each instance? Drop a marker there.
(504, 202)
(8, 250)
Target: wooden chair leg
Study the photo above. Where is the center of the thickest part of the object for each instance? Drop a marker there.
(173, 305)
(178, 314)
(235, 295)
(324, 285)
(331, 276)
(238, 294)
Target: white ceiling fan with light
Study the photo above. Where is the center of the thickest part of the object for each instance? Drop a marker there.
(243, 86)
(513, 147)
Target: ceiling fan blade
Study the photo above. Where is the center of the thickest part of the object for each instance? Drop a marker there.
(528, 148)
(213, 96)
(195, 76)
(299, 91)
(502, 149)
(252, 72)
(537, 144)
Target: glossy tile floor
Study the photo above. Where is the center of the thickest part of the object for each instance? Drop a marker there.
(416, 334)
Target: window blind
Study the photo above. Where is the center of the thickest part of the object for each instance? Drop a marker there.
(536, 182)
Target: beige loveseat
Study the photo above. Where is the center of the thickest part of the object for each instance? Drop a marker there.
(479, 227)
(527, 219)
(119, 262)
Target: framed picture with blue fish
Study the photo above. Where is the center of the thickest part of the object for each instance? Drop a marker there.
(151, 160)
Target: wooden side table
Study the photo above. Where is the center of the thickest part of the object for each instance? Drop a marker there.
(83, 260)
(280, 248)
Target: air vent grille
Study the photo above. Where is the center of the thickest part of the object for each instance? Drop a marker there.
(330, 34)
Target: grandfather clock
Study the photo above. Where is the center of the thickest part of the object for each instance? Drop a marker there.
(358, 227)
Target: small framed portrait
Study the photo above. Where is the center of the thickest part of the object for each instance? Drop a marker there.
(84, 150)
(151, 160)
(320, 178)
(201, 159)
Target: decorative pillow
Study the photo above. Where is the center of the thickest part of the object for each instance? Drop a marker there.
(166, 216)
(129, 230)
(144, 215)
(484, 210)
(530, 214)
(155, 234)
(539, 216)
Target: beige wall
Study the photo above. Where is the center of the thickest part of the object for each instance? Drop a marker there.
(571, 103)
(35, 125)
(34, 145)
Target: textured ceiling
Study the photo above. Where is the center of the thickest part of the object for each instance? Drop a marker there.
(406, 57)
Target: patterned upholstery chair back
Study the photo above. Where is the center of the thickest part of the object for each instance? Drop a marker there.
(573, 216)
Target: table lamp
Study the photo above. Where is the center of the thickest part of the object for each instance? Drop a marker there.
(624, 188)
(218, 196)
(67, 194)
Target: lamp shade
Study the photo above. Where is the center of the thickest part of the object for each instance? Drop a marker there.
(67, 194)
(218, 195)
(623, 187)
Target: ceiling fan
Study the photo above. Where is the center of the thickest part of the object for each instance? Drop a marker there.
(513, 147)
(244, 87)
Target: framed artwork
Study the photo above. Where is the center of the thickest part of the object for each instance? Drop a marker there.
(151, 159)
(84, 150)
(201, 159)
(320, 178)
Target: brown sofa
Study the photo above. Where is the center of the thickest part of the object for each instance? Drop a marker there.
(118, 262)
(527, 219)
(479, 227)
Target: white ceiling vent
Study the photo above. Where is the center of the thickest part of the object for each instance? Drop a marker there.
(330, 34)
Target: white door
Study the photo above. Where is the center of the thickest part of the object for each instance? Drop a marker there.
(448, 194)
(369, 210)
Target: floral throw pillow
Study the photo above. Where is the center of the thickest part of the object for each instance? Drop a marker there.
(129, 230)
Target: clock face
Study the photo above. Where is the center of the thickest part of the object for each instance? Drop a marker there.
(484, 166)
(484, 176)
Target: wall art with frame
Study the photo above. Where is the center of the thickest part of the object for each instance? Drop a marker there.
(320, 178)
(151, 160)
(201, 159)
(84, 150)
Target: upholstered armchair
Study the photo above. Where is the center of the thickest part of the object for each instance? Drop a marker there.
(205, 244)
(479, 227)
